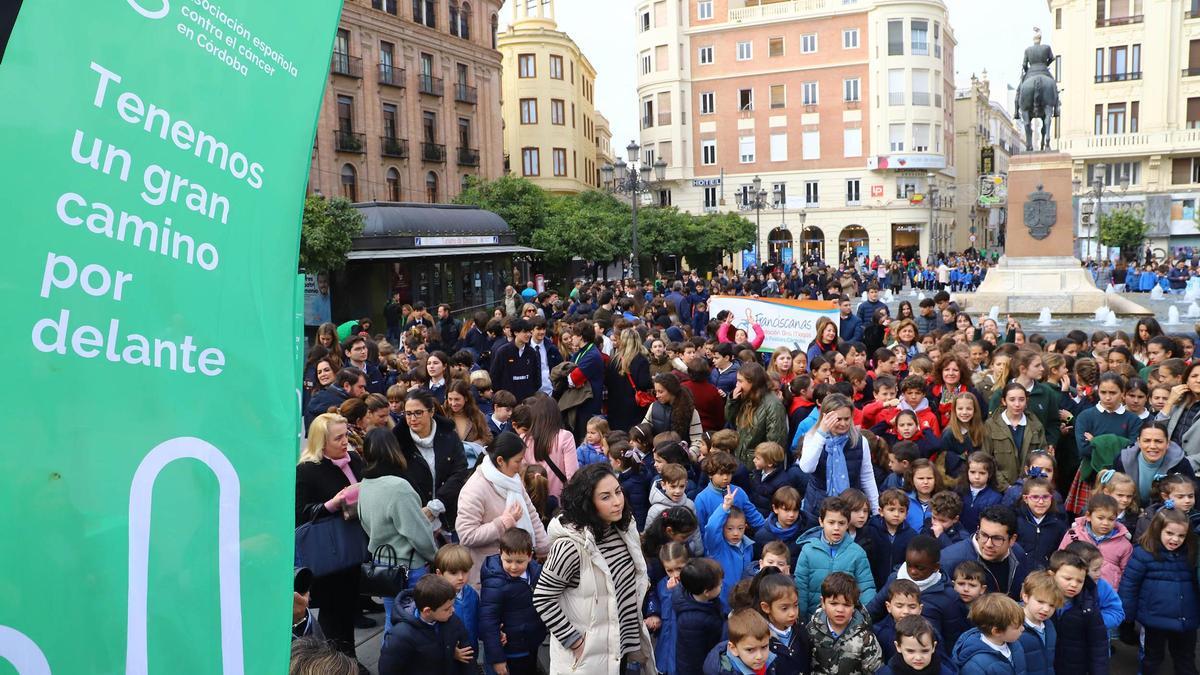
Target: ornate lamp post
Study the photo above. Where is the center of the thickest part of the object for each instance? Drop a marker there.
(1094, 208)
(633, 179)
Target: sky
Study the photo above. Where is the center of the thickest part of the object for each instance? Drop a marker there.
(987, 40)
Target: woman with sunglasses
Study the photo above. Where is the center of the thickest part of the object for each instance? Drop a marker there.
(437, 463)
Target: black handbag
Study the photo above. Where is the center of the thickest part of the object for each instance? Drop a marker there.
(330, 544)
(383, 576)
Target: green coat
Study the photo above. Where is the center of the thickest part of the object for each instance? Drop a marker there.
(1044, 402)
(998, 442)
(769, 423)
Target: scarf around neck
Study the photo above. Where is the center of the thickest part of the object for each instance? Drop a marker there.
(923, 585)
(837, 474)
(509, 487)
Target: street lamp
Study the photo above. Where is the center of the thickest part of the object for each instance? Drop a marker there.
(1099, 171)
(758, 200)
(633, 179)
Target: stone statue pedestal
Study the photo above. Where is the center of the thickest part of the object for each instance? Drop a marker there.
(1036, 273)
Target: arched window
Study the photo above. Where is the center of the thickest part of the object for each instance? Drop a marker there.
(349, 182)
(495, 30)
(393, 185)
(464, 21)
(431, 187)
(454, 18)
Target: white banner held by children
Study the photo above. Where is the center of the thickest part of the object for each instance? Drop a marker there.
(785, 323)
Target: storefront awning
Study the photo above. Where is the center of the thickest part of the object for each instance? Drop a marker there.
(461, 251)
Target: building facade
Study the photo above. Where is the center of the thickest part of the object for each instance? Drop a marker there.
(412, 105)
(842, 109)
(984, 139)
(1129, 71)
(551, 130)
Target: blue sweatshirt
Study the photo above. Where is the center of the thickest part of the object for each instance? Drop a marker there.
(735, 559)
(710, 498)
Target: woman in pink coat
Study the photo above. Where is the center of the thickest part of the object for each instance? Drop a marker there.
(539, 422)
(494, 500)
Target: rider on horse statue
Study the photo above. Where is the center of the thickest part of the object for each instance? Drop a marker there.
(1037, 94)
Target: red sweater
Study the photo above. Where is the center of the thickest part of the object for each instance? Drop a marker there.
(709, 404)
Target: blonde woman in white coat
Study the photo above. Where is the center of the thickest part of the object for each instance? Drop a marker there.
(592, 583)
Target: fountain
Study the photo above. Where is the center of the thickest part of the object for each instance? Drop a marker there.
(1101, 313)
(920, 296)
(1193, 311)
(1172, 316)
(994, 313)
(1110, 289)
(1045, 318)
(1156, 293)
(1193, 289)
(1111, 320)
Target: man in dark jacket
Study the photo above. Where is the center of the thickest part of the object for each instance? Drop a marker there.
(349, 382)
(994, 545)
(356, 349)
(515, 366)
(872, 304)
(391, 318)
(448, 329)
(851, 327)
(426, 636)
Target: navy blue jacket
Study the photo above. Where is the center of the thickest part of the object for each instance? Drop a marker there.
(795, 656)
(867, 309)
(699, 626)
(974, 505)
(1082, 637)
(508, 601)
(516, 371)
(1039, 649)
(1039, 541)
(719, 662)
(939, 605)
(764, 490)
(329, 397)
(948, 537)
(887, 552)
(771, 531)
(1017, 564)
(939, 666)
(417, 647)
(1160, 592)
(635, 483)
(850, 328)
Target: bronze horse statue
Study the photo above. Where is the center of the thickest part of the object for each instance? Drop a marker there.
(1037, 94)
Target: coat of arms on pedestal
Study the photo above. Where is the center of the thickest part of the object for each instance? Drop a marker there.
(1040, 213)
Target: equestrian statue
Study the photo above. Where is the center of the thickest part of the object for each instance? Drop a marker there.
(1037, 94)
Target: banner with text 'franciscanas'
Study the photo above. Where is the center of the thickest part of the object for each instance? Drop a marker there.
(155, 155)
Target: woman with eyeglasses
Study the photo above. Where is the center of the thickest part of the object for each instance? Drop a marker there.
(437, 463)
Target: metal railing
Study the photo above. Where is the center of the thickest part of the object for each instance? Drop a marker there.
(468, 157)
(1119, 21)
(391, 146)
(1118, 77)
(664, 119)
(344, 64)
(431, 85)
(433, 152)
(895, 98)
(465, 94)
(349, 141)
(1191, 72)
(921, 98)
(391, 76)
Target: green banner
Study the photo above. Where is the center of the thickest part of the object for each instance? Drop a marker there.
(155, 160)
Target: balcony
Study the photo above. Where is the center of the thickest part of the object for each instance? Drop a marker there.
(468, 156)
(349, 141)
(433, 152)
(1119, 21)
(390, 146)
(391, 76)
(1118, 77)
(430, 85)
(1191, 72)
(664, 119)
(465, 94)
(921, 98)
(647, 121)
(895, 98)
(1191, 14)
(1137, 144)
(777, 10)
(344, 64)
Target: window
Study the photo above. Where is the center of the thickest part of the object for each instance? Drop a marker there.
(393, 185)
(775, 47)
(920, 138)
(811, 145)
(530, 162)
(896, 137)
(1116, 118)
(389, 120)
(454, 17)
(1134, 108)
(1113, 173)
(349, 182)
(464, 132)
(345, 113)
(745, 99)
(850, 38)
(645, 21)
(1098, 121)
(778, 96)
(778, 194)
(850, 90)
(529, 111)
(708, 152)
(920, 87)
(905, 187)
(526, 65)
(812, 194)
(896, 86)
(388, 6)
(852, 142)
(706, 55)
(647, 113)
(495, 29)
(809, 93)
(937, 138)
(425, 12)
(704, 10)
(710, 198)
(746, 149)
(1058, 19)
(779, 147)
(808, 43)
(560, 161)
(853, 192)
(556, 69)
(920, 37)
(745, 51)
(708, 103)
(896, 37)
(431, 187)
(664, 197)
(937, 40)
(429, 126)
(558, 112)
(661, 60)
(647, 62)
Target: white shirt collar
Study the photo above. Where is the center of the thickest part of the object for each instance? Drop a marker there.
(1020, 422)
(1119, 411)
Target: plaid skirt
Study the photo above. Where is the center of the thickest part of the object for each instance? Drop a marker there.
(1077, 498)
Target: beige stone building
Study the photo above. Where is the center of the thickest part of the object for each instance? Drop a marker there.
(1129, 71)
(412, 104)
(984, 139)
(551, 130)
(604, 149)
(841, 108)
